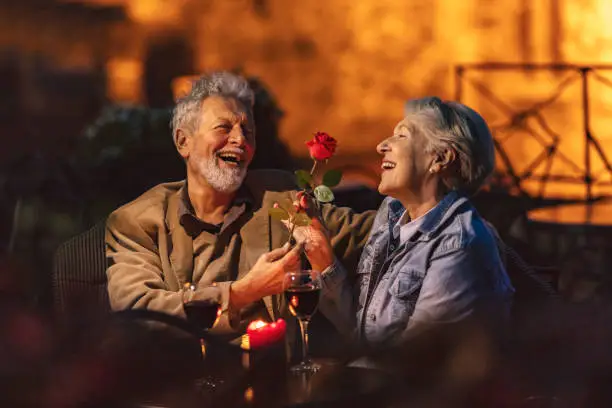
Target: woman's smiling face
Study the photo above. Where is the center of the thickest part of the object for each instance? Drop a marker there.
(405, 161)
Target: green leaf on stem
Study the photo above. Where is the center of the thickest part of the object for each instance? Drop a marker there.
(278, 214)
(301, 220)
(324, 194)
(287, 205)
(332, 178)
(303, 178)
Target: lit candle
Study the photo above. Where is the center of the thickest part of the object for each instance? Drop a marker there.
(261, 334)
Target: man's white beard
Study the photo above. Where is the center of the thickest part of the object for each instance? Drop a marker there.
(222, 180)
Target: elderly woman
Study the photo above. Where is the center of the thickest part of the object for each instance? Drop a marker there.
(430, 257)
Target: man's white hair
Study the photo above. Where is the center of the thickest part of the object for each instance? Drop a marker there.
(186, 113)
(454, 125)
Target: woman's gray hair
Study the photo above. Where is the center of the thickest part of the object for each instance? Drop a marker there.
(454, 125)
(186, 113)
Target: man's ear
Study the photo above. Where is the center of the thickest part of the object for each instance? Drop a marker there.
(182, 141)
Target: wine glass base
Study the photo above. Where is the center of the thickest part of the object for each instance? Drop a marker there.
(209, 383)
(305, 367)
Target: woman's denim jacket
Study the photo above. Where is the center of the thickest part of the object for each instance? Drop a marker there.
(445, 271)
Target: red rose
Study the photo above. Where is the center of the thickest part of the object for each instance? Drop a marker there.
(322, 146)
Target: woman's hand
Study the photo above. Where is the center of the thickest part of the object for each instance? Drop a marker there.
(265, 277)
(317, 245)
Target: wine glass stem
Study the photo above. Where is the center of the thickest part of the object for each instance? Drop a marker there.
(304, 330)
(203, 347)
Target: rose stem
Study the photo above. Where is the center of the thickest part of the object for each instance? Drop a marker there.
(291, 233)
(314, 166)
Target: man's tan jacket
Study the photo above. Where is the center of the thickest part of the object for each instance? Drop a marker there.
(151, 255)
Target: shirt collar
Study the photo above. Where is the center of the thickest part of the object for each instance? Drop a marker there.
(430, 221)
(403, 230)
(194, 226)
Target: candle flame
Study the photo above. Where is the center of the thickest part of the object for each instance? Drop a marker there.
(249, 395)
(258, 324)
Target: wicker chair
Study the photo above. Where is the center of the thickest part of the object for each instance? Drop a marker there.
(79, 276)
(525, 277)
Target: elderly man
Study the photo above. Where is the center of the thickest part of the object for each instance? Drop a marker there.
(213, 229)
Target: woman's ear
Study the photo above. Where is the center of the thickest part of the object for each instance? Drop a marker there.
(443, 160)
(446, 158)
(182, 141)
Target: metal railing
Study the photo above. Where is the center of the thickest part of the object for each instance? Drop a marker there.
(548, 139)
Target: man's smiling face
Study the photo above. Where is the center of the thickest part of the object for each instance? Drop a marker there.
(223, 144)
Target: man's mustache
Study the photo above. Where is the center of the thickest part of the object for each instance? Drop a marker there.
(235, 150)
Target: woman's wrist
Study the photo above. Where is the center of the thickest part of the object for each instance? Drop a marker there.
(323, 268)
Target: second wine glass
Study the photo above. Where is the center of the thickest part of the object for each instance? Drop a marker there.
(201, 313)
(302, 291)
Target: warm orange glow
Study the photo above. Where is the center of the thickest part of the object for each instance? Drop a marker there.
(145, 11)
(155, 11)
(182, 85)
(124, 76)
(586, 31)
(249, 394)
(598, 214)
(589, 31)
(245, 345)
(348, 70)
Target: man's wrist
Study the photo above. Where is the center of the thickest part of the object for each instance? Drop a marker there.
(241, 294)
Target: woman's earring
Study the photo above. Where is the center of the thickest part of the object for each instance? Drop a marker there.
(431, 170)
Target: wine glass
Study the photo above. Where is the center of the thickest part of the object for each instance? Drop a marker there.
(302, 291)
(201, 313)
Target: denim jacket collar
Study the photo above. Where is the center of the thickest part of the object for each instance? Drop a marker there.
(431, 221)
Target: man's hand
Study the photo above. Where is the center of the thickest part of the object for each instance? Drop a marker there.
(266, 276)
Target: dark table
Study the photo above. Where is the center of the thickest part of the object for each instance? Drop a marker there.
(570, 226)
(262, 379)
(578, 237)
(142, 358)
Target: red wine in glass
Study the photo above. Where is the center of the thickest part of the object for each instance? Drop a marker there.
(303, 301)
(302, 290)
(202, 313)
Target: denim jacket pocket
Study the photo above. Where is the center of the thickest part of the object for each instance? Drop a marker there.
(404, 293)
(407, 285)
